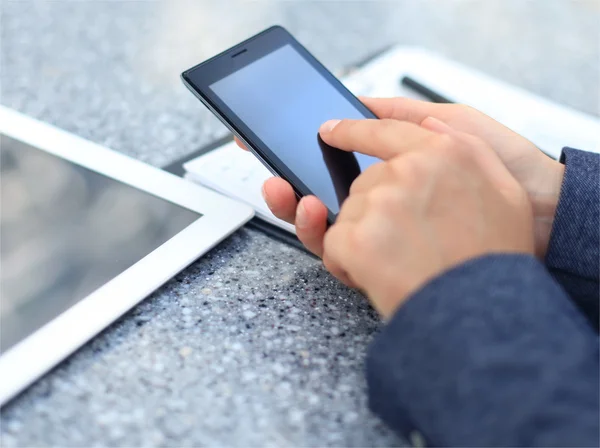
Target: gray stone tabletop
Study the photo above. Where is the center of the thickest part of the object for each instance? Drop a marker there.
(254, 344)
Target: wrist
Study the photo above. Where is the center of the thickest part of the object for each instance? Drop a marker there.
(544, 195)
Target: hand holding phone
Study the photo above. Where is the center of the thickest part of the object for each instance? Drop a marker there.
(274, 95)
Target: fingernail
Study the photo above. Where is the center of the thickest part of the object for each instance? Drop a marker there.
(328, 126)
(301, 216)
(263, 192)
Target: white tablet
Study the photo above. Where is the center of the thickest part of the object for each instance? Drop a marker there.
(86, 233)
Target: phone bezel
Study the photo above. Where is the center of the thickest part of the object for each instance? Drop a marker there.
(199, 79)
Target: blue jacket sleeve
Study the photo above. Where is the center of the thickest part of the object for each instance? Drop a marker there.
(491, 353)
(573, 255)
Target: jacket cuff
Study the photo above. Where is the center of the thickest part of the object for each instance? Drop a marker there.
(431, 369)
(574, 244)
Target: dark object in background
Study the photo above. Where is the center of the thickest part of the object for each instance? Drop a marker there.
(416, 86)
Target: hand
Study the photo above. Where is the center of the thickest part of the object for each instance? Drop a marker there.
(436, 200)
(539, 175)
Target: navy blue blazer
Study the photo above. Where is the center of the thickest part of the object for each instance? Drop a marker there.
(503, 350)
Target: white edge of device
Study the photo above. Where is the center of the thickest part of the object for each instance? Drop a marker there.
(29, 359)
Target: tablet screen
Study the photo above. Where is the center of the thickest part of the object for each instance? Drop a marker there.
(66, 230)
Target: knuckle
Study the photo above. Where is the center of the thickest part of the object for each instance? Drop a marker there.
(360, 237)
(400, 165)
(444, 142)
(387, 124)
(386, 198)
(400, 128)
(365, 237)
(453, 149)
(411, 169)
(473, 141)
(397, 167)
(382, 129)
(376, 128)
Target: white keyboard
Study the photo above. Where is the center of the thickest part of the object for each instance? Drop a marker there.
(235, 173)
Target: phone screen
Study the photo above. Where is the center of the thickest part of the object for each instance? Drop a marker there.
(284, 101)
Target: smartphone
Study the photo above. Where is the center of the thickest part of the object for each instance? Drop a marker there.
(274, 95)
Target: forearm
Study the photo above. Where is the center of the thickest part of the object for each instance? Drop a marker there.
(490, 353)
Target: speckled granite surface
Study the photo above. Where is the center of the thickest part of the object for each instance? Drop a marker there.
(254, 345)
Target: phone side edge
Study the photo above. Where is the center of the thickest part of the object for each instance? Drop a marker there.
(307, 54)
(224, 121)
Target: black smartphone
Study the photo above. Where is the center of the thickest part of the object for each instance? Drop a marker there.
(274, 95)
